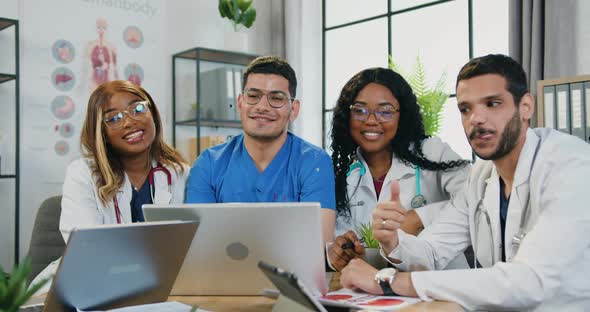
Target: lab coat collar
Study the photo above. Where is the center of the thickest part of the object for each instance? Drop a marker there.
(162, 194)
(398, 169)
(526, 158)
(124, 196)
(162, 191)
(366, 181)
(491, 203)
(520, 197)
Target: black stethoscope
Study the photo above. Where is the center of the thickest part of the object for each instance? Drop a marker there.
(417, 201)
(151, 174)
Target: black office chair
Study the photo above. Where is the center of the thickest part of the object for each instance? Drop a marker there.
(47, 244)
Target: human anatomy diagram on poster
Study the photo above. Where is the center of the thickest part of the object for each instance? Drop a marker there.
(66, 56)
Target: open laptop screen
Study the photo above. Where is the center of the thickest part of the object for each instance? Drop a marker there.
(111, 266)
(233, 237)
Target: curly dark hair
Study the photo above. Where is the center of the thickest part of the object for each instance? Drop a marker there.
(410, 132)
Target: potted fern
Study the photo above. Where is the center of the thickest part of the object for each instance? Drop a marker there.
(372, 256)
(430, 99)
(241, 13)
(13, 287)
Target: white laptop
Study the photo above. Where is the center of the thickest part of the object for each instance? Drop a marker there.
(113, 266)
(233, 237)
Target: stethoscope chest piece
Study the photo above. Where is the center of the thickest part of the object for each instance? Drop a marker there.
(517, 239)
(418, 201)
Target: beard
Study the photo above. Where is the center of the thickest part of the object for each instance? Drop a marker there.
(508, 140)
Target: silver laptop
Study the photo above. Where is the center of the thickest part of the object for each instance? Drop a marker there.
(111, 266)
(233, 237)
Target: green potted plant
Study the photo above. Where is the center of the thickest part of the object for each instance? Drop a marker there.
(13, 287)
(431, 99)
(241, 13)
(372, 256)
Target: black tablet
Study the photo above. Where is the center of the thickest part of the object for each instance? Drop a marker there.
(290, 286)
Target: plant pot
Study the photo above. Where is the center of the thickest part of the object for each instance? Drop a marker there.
(236, 41)
(373, 258)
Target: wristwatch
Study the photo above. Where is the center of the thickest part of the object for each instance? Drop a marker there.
(385, 277)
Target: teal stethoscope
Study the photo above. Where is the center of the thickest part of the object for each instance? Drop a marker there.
(417, 201)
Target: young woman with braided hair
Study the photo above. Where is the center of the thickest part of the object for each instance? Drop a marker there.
(378, 137)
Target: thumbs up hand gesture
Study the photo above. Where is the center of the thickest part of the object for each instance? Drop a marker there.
(387, 218)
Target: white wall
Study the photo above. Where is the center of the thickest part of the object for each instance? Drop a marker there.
(188, 24)
(304, 29)
(9, 9)
(193, 24)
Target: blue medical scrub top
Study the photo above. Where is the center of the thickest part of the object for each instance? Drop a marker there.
(300, 172)
(138, 198)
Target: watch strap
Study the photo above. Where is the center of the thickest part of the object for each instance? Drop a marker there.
(386, 287)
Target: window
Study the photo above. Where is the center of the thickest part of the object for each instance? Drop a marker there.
(444, 34)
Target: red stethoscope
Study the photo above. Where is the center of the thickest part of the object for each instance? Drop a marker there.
(153, 171)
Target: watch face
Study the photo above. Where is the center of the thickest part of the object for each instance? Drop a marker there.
(385, 274)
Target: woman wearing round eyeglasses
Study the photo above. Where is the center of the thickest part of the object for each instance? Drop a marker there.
(378, 137)
(125, 162)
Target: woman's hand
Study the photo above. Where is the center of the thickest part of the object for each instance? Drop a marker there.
(387, 218)
(345, 248)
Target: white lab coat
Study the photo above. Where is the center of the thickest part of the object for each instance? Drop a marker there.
(550, 271)
(436, 186)
(81, 205)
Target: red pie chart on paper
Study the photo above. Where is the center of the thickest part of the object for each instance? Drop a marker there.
(337, 297)
(383, 302)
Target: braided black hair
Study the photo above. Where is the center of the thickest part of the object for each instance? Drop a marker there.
(406, 145)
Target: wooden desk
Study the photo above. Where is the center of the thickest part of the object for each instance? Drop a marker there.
(256, 303)
(253, 303)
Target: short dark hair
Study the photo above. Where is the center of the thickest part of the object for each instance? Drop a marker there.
(272, 65)
(499, 64)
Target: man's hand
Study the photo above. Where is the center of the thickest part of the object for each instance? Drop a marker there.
(387, 218)
(360, 275)
(345, 248)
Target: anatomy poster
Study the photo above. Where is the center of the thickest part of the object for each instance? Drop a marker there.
(68, 48)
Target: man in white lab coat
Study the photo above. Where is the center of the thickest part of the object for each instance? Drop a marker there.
(523, 209)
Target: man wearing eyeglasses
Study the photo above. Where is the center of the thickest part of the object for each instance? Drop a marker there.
(523, 209)
(266, 163)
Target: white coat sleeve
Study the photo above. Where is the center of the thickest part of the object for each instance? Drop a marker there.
(439, 243)
(554, 246)
(79, 205)
(449, 182)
